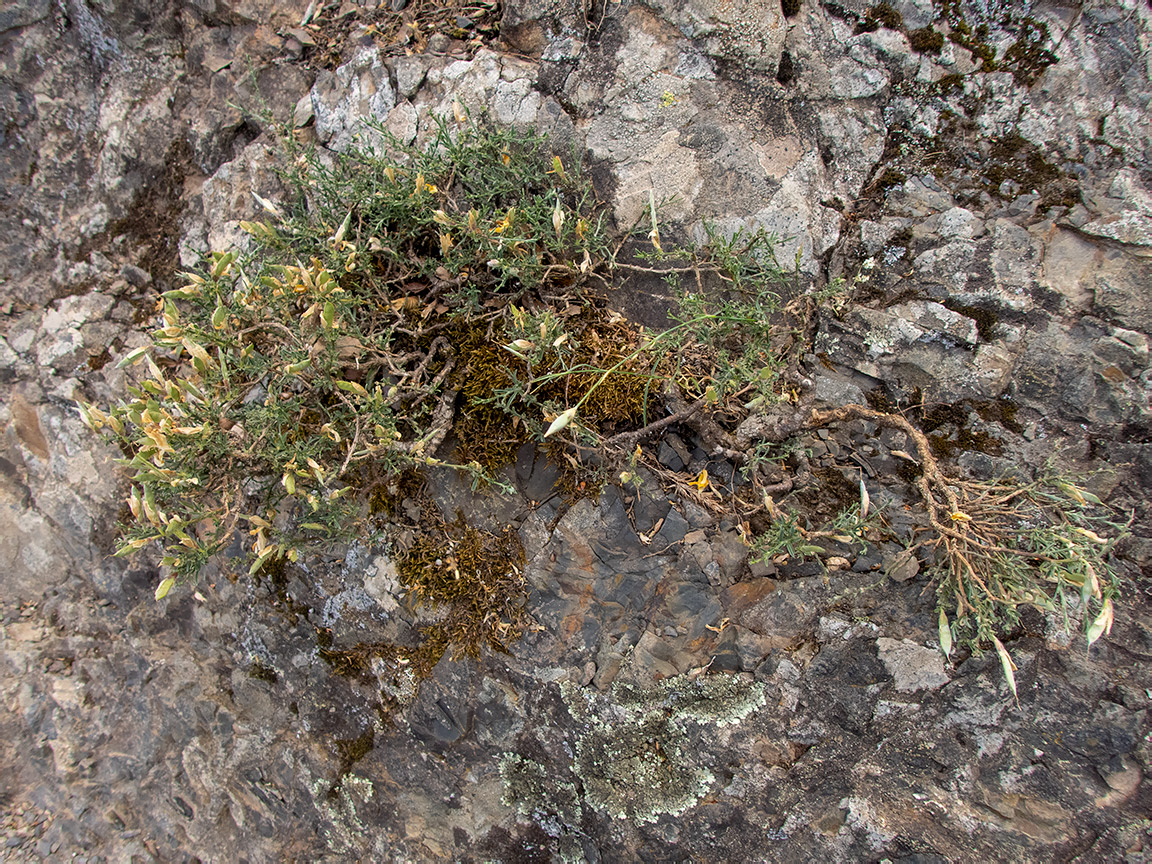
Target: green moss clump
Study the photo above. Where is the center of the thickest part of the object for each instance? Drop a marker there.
(396, 669)
(831, 494)
(1015, 158)
(964, 438)
(886, 16)
(1002, 411)
(577, 479)
(386, 497)
(1027, 58)
(890, 178)
(263, 673)
(909, 472)
(926, 41)
(489, 433)
(352, 750)
(949, 83)
(485, 433)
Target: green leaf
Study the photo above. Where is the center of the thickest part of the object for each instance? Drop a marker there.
(198, 353)
(132, 356)
(352, 387)
(1102, 624)
(164, 587)
(328, 316)
(945, 635)
(343, 229)
(560, 422)
(259, 562)
(223, 264)
(1008, 666)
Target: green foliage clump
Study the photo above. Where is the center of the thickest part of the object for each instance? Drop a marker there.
(1046, 544)
(287, 377)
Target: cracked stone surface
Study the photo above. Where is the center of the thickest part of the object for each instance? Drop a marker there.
(674, 700)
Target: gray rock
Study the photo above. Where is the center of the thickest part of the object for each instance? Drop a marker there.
(1121, 289)
(669, 458)
(248, 745)
(343, 100)
(912, 666)
(750, 31)
(135, 275)
(410, 72)
(442, 713)
(915, 13)
(834, 390)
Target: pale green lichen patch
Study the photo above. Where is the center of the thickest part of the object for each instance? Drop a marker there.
(637, 753)
(720, 700)
(541, 796)
(339, 807)
(640, 770)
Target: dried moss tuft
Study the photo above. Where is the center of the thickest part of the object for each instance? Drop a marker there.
(477, 576)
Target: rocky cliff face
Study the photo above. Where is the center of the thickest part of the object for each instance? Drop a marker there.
(993, 161)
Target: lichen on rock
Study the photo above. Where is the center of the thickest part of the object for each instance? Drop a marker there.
(637, 753)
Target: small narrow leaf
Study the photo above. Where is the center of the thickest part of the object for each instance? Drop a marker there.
(134, 504)
(1008, 666)
(864, 501)
(945, 635)
(132, 356)
(164, 587)
(259, 562)
(1073, 492)
(557, 217)
(558, 169)
(267, 205)
(86, 416)
(343, 229)
(223, 265)
(197, 351)
(1102, 624)
(560, 422)
(1091, 535)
